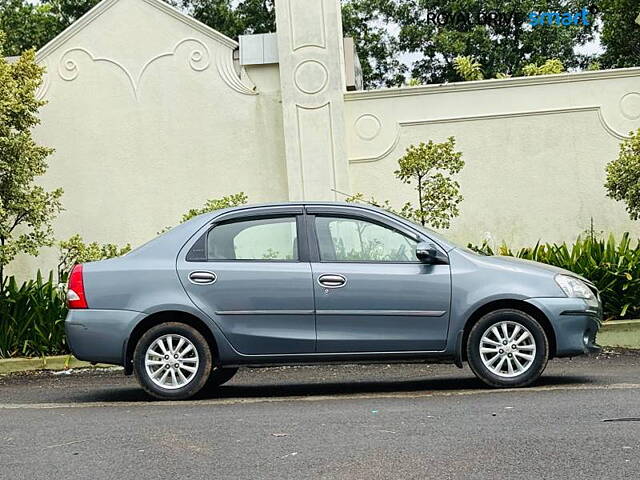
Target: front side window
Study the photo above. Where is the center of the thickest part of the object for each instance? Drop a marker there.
(354, 240)
(258, 239)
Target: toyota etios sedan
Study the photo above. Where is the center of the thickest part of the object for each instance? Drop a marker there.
(302, 283)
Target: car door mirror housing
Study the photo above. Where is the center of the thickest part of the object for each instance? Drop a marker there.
(427, 253)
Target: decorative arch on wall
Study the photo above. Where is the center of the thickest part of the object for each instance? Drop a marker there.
(199, 59)
(619, 115)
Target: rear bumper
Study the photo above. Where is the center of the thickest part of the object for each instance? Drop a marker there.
(100, 335)
(575, 324)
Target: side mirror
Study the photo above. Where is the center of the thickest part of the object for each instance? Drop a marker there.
(427, 252)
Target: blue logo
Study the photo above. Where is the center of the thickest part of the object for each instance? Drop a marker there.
(558, 18)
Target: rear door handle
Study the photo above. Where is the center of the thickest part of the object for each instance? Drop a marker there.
(332, 280)
(202, 277)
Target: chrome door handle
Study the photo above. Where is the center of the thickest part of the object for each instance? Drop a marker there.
(202, 277)
(332, 280)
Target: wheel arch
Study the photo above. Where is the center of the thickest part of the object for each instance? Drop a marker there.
(521, 305)
(167, 316)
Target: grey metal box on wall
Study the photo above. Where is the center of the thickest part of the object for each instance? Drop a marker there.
(258, 49)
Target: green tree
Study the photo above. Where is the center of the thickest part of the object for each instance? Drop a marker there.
(623, 175)
(74, 251)
(431, 167)
(371, 24)
(26, 209)
(213, 204)
(31, 25)
(502, 45)
(28, 25)
(620, 33)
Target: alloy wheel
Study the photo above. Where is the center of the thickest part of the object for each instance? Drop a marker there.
(507, 349)
(171, 361)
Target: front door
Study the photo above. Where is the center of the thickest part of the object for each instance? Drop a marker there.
(247, 274)
(371, 293)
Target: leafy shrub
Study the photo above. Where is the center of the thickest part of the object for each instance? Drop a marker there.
(32, 318)
(550, 67)
(74, 251)
(213, 204)
(623, 175)
(613, 266)
(228, 201)
(468, 68)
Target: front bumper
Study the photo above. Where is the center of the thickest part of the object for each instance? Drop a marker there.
(575, 324)
(100, 335)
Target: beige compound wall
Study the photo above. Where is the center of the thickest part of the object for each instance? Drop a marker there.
(148, 119)
(535, 149)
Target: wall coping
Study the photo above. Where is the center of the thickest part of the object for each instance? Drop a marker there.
(492, 84)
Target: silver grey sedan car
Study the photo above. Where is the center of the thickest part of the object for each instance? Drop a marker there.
(305, 282)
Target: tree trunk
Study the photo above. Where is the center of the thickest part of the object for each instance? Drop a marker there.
(421, 208)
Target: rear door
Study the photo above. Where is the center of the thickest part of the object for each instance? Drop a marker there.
(250, 273)
(372, 294)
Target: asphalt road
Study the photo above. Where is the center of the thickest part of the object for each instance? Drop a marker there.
(351, 422)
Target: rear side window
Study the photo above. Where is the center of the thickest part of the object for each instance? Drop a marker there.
(262, 239)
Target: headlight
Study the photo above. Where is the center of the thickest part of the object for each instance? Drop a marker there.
(572, 287)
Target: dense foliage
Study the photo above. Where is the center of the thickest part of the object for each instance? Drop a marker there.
(32, 318)
(26, 209)
(613, 266)
(74, 250)
(494, 33)
(623, 175)
(620, 33)
(397, 40)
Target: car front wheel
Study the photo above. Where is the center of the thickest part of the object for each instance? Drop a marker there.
(507, 348)
(172, 361)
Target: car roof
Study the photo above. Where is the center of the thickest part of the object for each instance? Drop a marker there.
(446, 244)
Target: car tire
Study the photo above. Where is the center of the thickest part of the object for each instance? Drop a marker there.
(518, 362)
(172, 361)
(220, 375)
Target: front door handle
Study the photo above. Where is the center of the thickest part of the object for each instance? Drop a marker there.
(202, 277)
(332, 280)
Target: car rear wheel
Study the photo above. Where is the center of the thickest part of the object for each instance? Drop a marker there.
(172, 361)
(507, 348)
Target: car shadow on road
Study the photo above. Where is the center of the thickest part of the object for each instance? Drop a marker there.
(329, 388)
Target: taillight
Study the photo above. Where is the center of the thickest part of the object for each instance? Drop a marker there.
(75, 293)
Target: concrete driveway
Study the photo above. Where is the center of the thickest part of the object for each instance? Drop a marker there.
(351, 422)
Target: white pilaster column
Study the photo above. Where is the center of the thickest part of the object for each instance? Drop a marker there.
(312, 81)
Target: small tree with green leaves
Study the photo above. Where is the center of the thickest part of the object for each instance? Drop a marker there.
(26, 209)
(213, 204)
(431, 167)
(228, 201)
(623, 175)
(74, 251)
